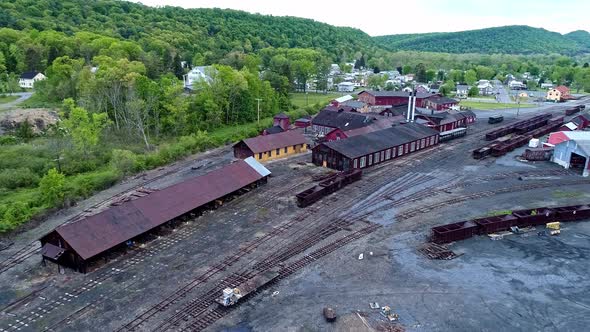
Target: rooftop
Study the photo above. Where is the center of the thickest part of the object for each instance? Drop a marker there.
(341, 119)
(362, 145)
(266, 143)
(419, 95)
(116, 225)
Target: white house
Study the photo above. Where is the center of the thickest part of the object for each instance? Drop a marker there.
(27, 80)
(516, 85)
(546, 85)
(197, 74)
(485, 87)
(462, 90)
(345, 87)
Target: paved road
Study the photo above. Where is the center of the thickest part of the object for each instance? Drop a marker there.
(516, 112)
(22, 97)
(503, 96)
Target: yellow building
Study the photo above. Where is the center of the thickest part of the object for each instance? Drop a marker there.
(558, 94)
(273, 146)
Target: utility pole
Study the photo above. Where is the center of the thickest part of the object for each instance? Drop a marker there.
(258, 100)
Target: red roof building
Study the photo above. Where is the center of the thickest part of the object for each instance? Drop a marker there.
(76, 243)
(374, 98)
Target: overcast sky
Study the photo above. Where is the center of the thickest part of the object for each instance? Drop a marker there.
(383, 17)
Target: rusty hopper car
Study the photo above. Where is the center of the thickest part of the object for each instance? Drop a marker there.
(574, 110)
(326, 187)
(454, 232)
(511, 128)
(521, 218)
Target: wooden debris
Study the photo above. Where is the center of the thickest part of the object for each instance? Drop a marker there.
(437, 251)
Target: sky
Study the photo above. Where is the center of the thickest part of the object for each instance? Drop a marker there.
(384, 17)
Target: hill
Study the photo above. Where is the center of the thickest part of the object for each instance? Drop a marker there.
(188, 30)
(514, 39)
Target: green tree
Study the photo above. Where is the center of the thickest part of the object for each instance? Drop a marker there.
(473, 91)
(420, 72)
(52, 187)
(84, 128)
(470, 77)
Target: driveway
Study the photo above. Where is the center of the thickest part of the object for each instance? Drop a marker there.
(22, 97)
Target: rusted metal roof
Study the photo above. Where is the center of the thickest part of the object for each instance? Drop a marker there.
(103, 231)
(51, 251)
(275, 141)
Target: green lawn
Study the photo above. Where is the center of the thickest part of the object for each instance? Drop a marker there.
(301, 100)
(7, 99)
(492, 106)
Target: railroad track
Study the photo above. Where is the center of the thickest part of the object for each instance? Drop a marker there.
(462, 198)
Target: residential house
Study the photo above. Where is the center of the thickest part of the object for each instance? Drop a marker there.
(197, 74)
(516, 85)
(434, 88)
(462, 91)
(485, 87)
(546, 85)
(269, 147)
(345, 87)
(558, 94)
(27, 80)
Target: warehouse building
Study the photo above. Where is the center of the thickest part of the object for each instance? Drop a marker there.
(374, 148)
(572, 150)
(331, 118)
(268, 147)
(80, 243)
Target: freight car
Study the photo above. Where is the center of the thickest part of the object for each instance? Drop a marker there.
(326, 187)
(521, 218)
(511, 128)
(574, 110)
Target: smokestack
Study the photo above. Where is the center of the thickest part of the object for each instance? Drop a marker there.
(413, 107)
(409, 107)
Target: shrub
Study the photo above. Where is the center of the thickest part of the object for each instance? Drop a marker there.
(123, 161)
(8, 140)
(12, 178)
(14, 215)
(84, 185)
(51, 187)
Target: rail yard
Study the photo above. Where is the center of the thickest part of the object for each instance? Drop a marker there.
(346, 243)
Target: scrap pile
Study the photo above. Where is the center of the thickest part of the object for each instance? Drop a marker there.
(437, 251)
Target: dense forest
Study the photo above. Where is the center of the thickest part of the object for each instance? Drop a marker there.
(503, 40)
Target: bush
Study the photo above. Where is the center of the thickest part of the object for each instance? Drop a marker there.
(124, 161)
(12, 178)
(84, 185)
(8, 140)
(13, 215)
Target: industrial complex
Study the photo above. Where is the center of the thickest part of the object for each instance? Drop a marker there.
(409, 204)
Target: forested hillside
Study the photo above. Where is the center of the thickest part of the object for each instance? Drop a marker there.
(207, 34)
(504, 40)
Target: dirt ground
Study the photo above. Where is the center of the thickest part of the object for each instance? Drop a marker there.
(522, 282)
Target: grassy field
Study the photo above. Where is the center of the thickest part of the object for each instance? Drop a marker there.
(7, 99)
(301, 100)
(492, 106)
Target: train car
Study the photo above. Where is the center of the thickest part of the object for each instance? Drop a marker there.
(538, 154)
(231, 296)
(452, 134)
(495, 119)
(574, 110)
(328, 186)
(521, 218)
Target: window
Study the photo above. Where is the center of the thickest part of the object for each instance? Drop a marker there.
(376, 156)
(260, 155)
(393, 151)
(400, 150)
(355, 163)
(278, 152)
(382, 155)
(370, 159)
(286, 149)
(412, 146)
(270, 153)
(387, 154)
(363, 160)
(422, 143)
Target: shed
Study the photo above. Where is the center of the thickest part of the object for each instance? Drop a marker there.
(76, 244)
(267, 147)
(373, 148)
(572, 150)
